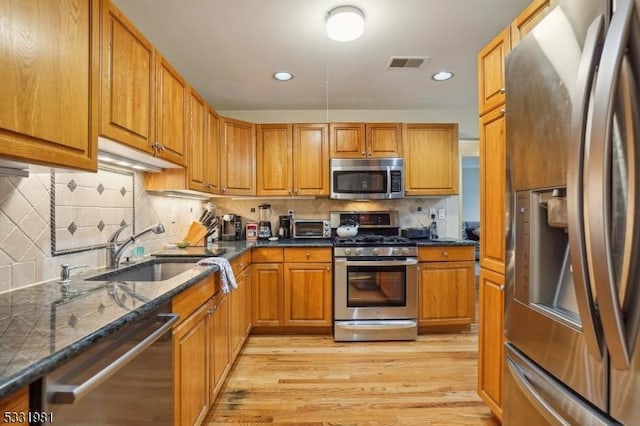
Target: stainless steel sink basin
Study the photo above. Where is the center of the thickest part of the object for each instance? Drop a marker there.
(157, 270)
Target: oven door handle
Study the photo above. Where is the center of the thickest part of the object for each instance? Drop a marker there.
(403, 262)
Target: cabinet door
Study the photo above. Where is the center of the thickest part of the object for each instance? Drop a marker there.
(18, 403)
(384, 139)
(266, 294)
(237, 315)
(491, 340)
(191, 366)
(310, 159)
(172, 113)
(220, 355)
(127, 82)
(431, 159)
(347, 140)
(492, 190)
(307, 294)
(212, 157)
(238, 160)
(447, 293)
(49, 51)
(491, 72)
(197, 125)
(529, 18)
(274, 156)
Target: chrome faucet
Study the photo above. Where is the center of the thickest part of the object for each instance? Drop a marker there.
(115, 249)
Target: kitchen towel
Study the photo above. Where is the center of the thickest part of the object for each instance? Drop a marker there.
(227, 277)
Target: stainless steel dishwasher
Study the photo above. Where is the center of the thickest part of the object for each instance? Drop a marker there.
(125, 379)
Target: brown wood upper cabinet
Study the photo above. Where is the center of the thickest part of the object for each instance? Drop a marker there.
(431, 159)
(524, 23)
(292, 159)
(358, 140)
(237, 157)
(49, 74)
(491, 81)
(144, 100)
(203, 146)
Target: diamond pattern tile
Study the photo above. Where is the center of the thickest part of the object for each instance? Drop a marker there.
(100, 189)
(101, 226)
(72, 228)
(72, 185)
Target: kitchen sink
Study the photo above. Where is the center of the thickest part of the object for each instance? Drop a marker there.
(156, 270)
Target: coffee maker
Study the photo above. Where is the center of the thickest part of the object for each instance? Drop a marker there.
(284, 226)
(231, 227)
(264, 222)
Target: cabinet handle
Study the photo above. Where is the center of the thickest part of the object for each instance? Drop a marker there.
(363, 153)
(224, 189)
(503, 111)
(308, 255)
(290, 191)
(369, 154)
(328, 268)
(445, 253)
(501, 287)
(295, 190)
(502, 90)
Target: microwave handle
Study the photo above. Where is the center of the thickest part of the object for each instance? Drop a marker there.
(389, 178)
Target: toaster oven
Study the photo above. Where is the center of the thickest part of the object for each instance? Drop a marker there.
(311, 228)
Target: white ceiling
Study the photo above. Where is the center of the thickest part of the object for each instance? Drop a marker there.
(229, 49)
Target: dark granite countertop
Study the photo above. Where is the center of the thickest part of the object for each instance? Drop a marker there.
(43, 325)
(443, 242)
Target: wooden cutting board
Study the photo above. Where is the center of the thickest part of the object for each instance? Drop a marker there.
(195, 235)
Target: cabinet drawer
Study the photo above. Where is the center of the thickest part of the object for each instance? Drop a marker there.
(446, 253)
(307, 254)
(241, 262)
(192, 298)
(267, 255)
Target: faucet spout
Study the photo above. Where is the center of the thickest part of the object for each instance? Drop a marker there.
(116, 249)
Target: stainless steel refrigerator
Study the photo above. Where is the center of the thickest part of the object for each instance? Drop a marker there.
(572, 352)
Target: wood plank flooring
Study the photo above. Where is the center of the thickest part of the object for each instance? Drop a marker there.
(311, 380)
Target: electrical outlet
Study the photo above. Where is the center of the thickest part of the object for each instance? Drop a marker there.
(432, 211)
(253, 209)
(441, 213)
(419, 209)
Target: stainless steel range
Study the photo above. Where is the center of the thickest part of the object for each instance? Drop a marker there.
(375, 279)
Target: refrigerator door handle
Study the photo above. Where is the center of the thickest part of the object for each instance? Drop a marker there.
(575, 200)
(599, 184)
(543, 407)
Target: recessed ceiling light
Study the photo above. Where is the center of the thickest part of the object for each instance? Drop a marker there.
(283, 76)
(442, 76)
(345, 23)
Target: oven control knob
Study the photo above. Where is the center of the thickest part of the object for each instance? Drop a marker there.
(358, 251)
(347, 251)
(375, 251)
(405, 250)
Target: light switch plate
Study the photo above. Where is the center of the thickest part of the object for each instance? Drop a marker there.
(441, 213)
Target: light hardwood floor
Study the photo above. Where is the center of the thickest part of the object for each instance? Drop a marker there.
(311, 380)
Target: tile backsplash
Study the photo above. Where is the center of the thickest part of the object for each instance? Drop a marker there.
(25, 220)
(25, 224)
(319, 208)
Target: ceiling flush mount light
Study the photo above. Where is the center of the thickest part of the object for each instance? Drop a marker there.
(345, 23)
(283, 76)
(442, 76)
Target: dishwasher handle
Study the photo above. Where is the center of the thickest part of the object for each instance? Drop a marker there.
(70, 394)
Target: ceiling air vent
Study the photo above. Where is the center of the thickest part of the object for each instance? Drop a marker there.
(406, 62)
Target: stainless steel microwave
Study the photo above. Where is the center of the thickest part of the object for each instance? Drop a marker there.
(311, 228)
(367, 178)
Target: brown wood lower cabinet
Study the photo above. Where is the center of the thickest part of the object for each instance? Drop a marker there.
(18, 403)
(240, 312)
(491, 339)
(220, 356)
(191, 366)
(291, 289)
(446, 286)
(307, 294)
(201, 351)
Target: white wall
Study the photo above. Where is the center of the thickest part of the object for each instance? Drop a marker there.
(470, 189)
